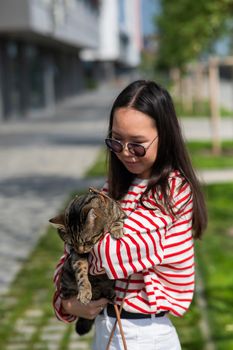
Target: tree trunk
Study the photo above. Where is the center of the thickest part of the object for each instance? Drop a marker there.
(214, 106)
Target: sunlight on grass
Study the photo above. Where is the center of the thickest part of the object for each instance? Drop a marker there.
(33, 284)
(99, 168)
(215, 261)
(203, 158)
(199, 109)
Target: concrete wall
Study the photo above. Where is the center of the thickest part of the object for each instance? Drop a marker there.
(120, 33)
(70, 22)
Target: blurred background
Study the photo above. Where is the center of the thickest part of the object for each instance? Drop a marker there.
(62, 63)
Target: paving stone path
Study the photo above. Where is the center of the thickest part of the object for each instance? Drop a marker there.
(30, 332)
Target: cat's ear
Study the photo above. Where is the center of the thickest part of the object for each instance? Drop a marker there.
(58, 222)
(91, 216)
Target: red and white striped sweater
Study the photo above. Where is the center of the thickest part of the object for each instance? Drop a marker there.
(156, 252)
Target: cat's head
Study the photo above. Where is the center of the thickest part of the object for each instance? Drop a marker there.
(85, 220)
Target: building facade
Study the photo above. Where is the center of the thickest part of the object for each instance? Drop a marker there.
(120, 35)
(53, 49)
(40, 43)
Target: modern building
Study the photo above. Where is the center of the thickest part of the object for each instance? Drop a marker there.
(120, 36)
(52, 49)
(40, 43)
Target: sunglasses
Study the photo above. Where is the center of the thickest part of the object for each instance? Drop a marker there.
(135, 149)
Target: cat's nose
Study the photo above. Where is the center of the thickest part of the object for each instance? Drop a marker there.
(81, 249)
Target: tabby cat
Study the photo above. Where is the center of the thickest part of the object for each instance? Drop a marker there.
(81, 226)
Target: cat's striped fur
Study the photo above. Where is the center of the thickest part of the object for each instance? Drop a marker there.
(81, 226)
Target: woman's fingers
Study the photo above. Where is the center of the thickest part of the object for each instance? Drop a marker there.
(100, 302)
(98, 305)
(89, 311)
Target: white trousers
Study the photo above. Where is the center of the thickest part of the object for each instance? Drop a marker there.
(155, 333)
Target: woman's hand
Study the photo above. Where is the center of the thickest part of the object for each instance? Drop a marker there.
(73, 307)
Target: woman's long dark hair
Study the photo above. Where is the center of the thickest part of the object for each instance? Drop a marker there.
(154, 101)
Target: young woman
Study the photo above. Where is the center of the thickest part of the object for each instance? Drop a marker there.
(153, 264)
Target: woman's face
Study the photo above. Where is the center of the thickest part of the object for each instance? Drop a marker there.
(130, 125)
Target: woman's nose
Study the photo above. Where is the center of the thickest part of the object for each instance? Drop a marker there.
(126, 151)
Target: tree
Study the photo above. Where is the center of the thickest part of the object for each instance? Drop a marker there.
(187, 28)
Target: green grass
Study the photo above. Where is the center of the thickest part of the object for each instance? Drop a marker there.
(33, 289)
(32, 286)
(202, 157)
(99, 168)
(200, 109)
(215, 261)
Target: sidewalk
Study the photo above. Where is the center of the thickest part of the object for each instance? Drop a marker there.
(200, 128)
(215, 176)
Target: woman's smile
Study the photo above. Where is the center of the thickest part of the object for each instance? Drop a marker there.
(130, 164)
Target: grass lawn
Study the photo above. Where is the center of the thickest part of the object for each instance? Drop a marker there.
(32, 286)
(215, 261)
(33, 289)
(202, 157)
(200, 109)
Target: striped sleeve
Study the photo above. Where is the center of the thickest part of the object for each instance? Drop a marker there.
(140, 248)
(57, 301)
(181, 195)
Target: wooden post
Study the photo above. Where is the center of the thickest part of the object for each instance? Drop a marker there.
(214, 105)
(198, 88)
(187, 92)
(175, 77)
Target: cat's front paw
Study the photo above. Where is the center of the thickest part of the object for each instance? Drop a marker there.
(116, 229)
(84, 296)
(117, 234)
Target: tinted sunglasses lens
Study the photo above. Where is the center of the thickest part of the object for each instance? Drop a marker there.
(113, 145)
(136, 149)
